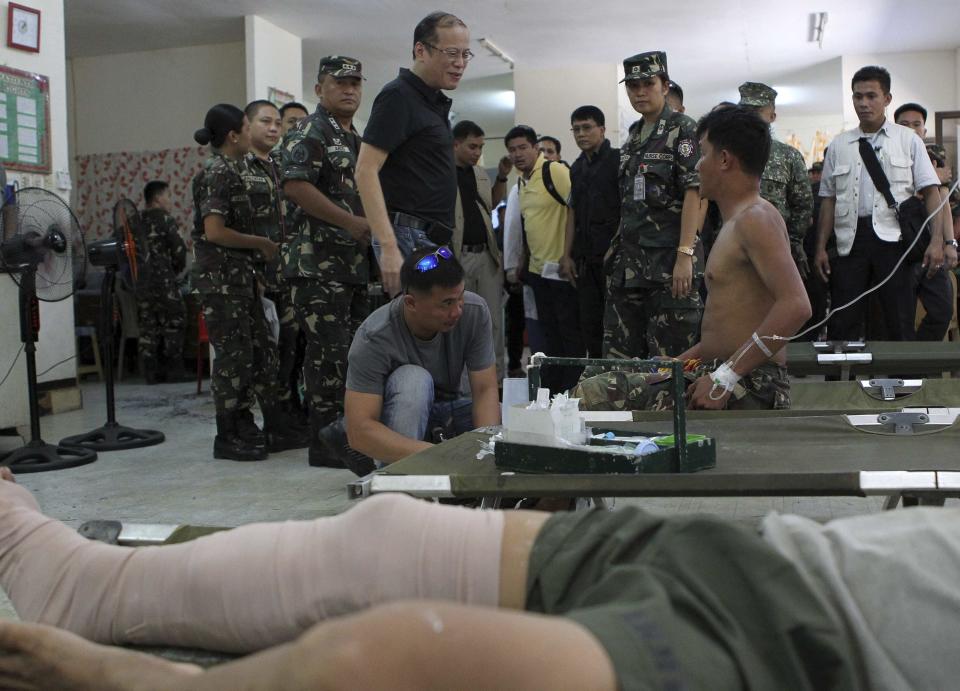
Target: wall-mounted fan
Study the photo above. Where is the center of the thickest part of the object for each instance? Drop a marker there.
(41, 246)
(118, 255)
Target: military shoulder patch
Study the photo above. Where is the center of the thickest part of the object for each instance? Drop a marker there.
(685, 148)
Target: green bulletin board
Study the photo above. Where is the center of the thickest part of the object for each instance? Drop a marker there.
(24, 121)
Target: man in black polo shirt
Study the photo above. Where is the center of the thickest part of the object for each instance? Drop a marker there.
(595, 206)
(405, 173)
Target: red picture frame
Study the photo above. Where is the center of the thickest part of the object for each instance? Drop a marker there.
(21, 13)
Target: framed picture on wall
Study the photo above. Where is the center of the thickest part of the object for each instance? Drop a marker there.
(278, 96)
(23, 27)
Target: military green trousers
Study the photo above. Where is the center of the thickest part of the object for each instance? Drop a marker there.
(646, 321)
(245, 360)
(329, 314)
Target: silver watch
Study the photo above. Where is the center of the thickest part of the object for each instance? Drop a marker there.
(951, 243)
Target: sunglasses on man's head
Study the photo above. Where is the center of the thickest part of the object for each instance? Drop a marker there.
(432, 260)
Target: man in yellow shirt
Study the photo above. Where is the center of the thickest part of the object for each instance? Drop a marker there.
(543, 190)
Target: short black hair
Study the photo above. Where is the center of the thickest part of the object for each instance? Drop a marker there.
(742, 132)
(426, 30)
(154, 189)
(449, 272)
(910, 106)
(553, 140)
(290, 106)
(254, 107)
(588, 113)
(524, 131)
(872, 73)
(675, 89)
(466, 128)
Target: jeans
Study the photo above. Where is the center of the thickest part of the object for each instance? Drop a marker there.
(409, 407)
(408, 239)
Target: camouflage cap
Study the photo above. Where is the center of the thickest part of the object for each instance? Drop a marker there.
(757, 94)
(645, 65)
(340, 66)
(817, 167)
(937, 154)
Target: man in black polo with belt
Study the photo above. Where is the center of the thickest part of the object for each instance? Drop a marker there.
(406, 173)
(593, 221)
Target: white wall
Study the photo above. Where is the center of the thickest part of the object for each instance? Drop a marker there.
(546, 97)
(56, 336)
(274, 58)
(152, 100)
(929, 78)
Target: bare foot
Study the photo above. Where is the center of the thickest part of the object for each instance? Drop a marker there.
(33, 656)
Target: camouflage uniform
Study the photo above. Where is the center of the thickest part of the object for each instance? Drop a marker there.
(765, 388)
(161, 313)
(641, 317)
(225, 278)
(262, 181)
(326, 267)
(785, 182)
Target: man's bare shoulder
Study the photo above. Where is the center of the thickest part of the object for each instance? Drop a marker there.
(760, 220)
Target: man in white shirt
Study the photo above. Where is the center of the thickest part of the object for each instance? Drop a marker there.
(867, 230)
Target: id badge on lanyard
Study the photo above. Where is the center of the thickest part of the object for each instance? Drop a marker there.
(639, 187)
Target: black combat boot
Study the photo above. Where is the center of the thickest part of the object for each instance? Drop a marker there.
(333, 447)
(323, 450)
(176, 371)
(295, 415)
(229, 445)
(148, 366)
(247, 429)
(281, 432)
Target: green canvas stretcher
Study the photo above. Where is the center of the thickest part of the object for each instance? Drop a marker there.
(875, 357)
(784, 455)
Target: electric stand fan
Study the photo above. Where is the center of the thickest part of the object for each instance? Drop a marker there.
(41, 247)
(118, 253)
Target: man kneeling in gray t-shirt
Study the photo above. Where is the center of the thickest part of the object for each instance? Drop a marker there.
(407, 359)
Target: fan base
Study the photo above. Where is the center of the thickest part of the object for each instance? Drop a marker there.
(37, 456)
(114, 437)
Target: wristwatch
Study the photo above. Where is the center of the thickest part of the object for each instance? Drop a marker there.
(951, 243)
(685, 250)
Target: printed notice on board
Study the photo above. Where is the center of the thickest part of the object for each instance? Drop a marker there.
(24, 121)
(26, 105)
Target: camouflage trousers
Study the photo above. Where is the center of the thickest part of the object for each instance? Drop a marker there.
(287, 344)
(647, 321)
(245, 359)
(161, 316)
(765, 388)
(329, 315)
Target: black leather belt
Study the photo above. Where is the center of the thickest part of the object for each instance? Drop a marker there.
(438, 233)
(399, 218)
(476, 249)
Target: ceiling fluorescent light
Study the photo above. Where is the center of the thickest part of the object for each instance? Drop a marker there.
(496, 51)
(818, 22)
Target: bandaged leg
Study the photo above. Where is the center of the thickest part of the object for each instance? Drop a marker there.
(249, 588)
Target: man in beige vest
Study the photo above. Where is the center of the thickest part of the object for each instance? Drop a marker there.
(474, 241)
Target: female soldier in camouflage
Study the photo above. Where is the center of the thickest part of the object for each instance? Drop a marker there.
(225, 249)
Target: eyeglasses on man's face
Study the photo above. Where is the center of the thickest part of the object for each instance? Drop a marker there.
(452, 53)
